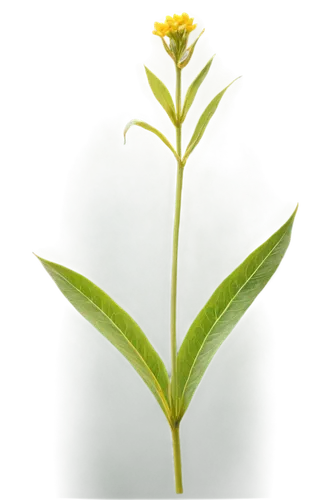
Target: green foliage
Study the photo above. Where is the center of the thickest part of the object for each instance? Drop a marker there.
(116, 325)
(224, 309)
(193, 89)
(162, 94)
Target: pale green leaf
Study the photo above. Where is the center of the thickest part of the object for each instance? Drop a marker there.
(203, 121)
(162, 94)
(167, 49)
(186, 57)
(151, 129)
(193, 89)
(116, 325)
(224, 309)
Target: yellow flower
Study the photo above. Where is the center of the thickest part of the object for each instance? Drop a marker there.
(177, 28)
(174, 25)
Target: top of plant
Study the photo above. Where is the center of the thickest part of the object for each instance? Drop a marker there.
(174, 26)
(177, 28)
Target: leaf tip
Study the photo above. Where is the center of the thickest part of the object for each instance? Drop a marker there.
(35, 256)
(124, 134)
(128, 125)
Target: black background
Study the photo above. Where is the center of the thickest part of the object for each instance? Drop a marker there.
(74, 85)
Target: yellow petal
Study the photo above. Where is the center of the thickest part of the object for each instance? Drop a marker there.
(191, 28)
(174, 24)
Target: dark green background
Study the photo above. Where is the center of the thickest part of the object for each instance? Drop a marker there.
(113, 440)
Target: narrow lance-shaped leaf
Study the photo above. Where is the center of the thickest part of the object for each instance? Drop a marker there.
(203, 121)
(162, 94)
(151, 129)
(167, 49)
(193, 89)
(188, 53)
(116, 325)
(224, 309)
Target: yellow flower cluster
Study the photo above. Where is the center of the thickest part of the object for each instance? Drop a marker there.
(174, 24)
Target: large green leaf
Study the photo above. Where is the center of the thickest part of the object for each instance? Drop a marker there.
(224, 309)
(116, 325)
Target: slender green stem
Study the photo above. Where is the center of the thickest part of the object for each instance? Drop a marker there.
(177, 460)
(174, 289)
(174, 398)
(175, 248)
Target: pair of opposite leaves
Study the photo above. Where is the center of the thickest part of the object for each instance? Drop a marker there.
(217, 318)
(163, 96)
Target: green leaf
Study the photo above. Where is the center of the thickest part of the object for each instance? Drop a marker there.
(167, 49)
(186, 57)
(203, 121)
(151, 129)
(224, 309)
(193, 89)
(162, 94)
(116, 325)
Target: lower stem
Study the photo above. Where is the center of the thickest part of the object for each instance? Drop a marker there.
(177, 460)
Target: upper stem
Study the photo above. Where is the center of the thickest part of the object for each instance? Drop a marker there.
(175, 248)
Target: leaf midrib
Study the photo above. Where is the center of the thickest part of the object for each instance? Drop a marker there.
(226, 308)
